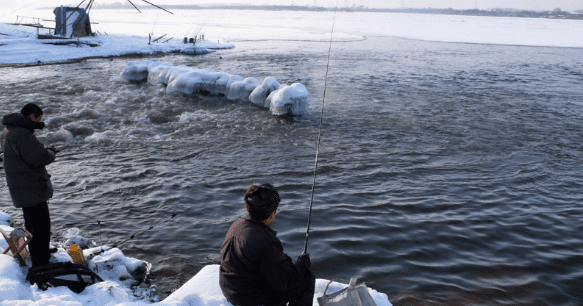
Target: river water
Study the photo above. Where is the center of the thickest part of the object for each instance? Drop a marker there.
(449, 173)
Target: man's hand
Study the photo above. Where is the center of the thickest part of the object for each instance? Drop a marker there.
(53, 149)
(304, 261)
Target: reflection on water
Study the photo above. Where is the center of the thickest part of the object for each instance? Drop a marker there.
(448, 173)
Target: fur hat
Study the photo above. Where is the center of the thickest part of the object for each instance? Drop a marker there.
(261, 201)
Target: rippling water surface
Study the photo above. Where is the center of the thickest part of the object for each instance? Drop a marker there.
(449, 174)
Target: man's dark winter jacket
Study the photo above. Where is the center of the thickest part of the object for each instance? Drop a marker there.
(253, 265)
(25, 159)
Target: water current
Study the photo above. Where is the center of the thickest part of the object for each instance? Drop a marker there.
(449, 174)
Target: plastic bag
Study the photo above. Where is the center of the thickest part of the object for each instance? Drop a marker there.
(350, 296)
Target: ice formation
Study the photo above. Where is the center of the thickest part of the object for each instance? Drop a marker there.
(195, 50)
(240, 90)
(260, 93)
(278, 98)
(5, 219)
(137, 71)
(288, 99)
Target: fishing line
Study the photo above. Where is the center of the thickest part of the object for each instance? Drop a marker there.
(199, 28)
(320, 132)
(136, 234)
(155, 21)
(99, 222)
(100, 242)
(16, 10)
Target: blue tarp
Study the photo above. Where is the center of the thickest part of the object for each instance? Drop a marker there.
(79, 26)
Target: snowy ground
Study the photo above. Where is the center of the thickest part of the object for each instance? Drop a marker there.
(122, 282)
(20, 45)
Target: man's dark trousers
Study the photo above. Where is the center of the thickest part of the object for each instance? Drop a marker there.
(38, 222)
(301, 295)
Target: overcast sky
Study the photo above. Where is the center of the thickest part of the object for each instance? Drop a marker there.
(566, 5)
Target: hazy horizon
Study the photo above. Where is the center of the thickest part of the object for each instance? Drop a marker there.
(536, 5)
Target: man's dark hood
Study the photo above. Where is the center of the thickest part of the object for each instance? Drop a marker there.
(19, 120)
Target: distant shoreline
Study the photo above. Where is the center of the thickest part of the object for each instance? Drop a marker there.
(554, 14)
(78, 60)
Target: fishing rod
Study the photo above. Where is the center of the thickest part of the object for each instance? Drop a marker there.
(155, 21)
(152, 4)
(136, 234)
(135, 6)
(100, 242)
(320, 133)
(74, 11)
(131, 237)
(18, 9)
(199, 27)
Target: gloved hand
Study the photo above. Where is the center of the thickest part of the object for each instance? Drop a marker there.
(304, 261)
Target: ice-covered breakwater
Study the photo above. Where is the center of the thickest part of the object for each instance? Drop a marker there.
(280, 99)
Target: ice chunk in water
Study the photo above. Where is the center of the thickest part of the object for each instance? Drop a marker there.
(136, 71)
(260, 93)
(175, 72)
(280, 99)
(194, 81)
(157, 74)
(196, 50)
(221, 84)
(289, 100)
(232, 79)
(240, 90)
(207, 81)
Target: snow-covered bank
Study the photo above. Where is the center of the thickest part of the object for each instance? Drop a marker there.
(20, 45)
(121, 285)
(278, 98)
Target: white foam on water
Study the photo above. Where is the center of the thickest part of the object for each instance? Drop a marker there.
(61, 135)
(197, 116)
(104, 136)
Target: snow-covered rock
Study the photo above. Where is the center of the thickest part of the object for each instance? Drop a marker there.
(289, 100)
(279, 99)
(260, 93)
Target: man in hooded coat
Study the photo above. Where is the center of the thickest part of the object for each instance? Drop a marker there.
(254, 269)
(25, 158)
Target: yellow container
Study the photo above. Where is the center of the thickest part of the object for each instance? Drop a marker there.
(76, 254)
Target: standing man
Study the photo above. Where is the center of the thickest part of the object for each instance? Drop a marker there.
(254, 269)
(29, 183)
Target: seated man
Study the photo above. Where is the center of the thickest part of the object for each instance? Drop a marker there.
(254, 269)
